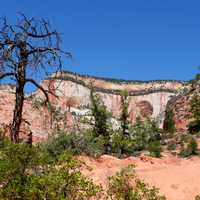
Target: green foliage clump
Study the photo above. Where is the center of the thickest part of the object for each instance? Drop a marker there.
(155, 149)
(171, 146)
(55, 146)
(169, 123)
(141, 134)
(126, 186)
(124, 112)
(33, 173)
(101, 128)
(88, 142)
(191, 149)
(144, 132)
(93, 145)
(194, 125)
(121, 145)
(100, 114)
(30, 173)
(76, 143)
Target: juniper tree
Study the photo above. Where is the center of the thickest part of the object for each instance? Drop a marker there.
(124, 112)
(28, 48)
(169, 123)
(100, 114)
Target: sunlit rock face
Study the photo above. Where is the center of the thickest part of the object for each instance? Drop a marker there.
(71, 92)
(147, 99)
(180, 104)
(33, 119)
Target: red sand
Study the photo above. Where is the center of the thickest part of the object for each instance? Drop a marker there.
(178, 179)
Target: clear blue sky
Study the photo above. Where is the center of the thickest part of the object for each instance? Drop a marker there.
(130, 39)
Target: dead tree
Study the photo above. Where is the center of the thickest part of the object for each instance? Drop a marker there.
(28, 49)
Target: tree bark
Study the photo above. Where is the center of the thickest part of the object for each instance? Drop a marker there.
(19, 96)
(17, 118)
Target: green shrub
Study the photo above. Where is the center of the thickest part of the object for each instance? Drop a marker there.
(169, 123)
(125, 185)
(122, 145)
(29, 173)
(77, 143)
(144, 132)
(55, 146)
(93, 145)
(192, 149)
(185, 138)
(140, 135)
(124, 115)
(155, 149)
(194, 125)
(100, 115)
(171, 146)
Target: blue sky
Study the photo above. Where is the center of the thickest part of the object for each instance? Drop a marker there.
(129, 39)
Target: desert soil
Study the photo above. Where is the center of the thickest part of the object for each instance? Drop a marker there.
(178, 179)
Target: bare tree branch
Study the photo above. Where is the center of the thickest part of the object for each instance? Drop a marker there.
(3, 75)
(45, 92)
(27, 49)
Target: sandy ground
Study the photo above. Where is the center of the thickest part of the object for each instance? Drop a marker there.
(178, 179)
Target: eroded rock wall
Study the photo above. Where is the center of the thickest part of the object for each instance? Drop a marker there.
(180, 105)
(148, 99)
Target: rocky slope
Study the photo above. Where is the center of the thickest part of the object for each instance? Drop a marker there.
(180, 104)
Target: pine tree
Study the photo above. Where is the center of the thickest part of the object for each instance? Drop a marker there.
(100, 114)
(124, 112)
(169, 124)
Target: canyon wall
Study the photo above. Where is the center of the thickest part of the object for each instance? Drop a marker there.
(71, 92)
(147, 98)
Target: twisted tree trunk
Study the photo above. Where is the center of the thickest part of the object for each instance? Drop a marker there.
(19, 95)
(17, 117)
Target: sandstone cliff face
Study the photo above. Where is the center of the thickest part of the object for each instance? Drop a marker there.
(147, 99)
(35, 117)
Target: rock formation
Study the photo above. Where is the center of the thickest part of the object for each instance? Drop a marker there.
(180, 105)
(147, 99)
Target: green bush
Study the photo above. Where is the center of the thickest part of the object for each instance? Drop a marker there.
(124, 115)
(194, 125)
(140, 135)
(171, 146)
(185, 138)
(93, 145)
(76, 143)
(169, 122)
(155, 149)
(144, 132)
(55, 146)
(88, 142)
(125, 185)
(100, 115)
(121, 145)
(29, 173)
(192, 149)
